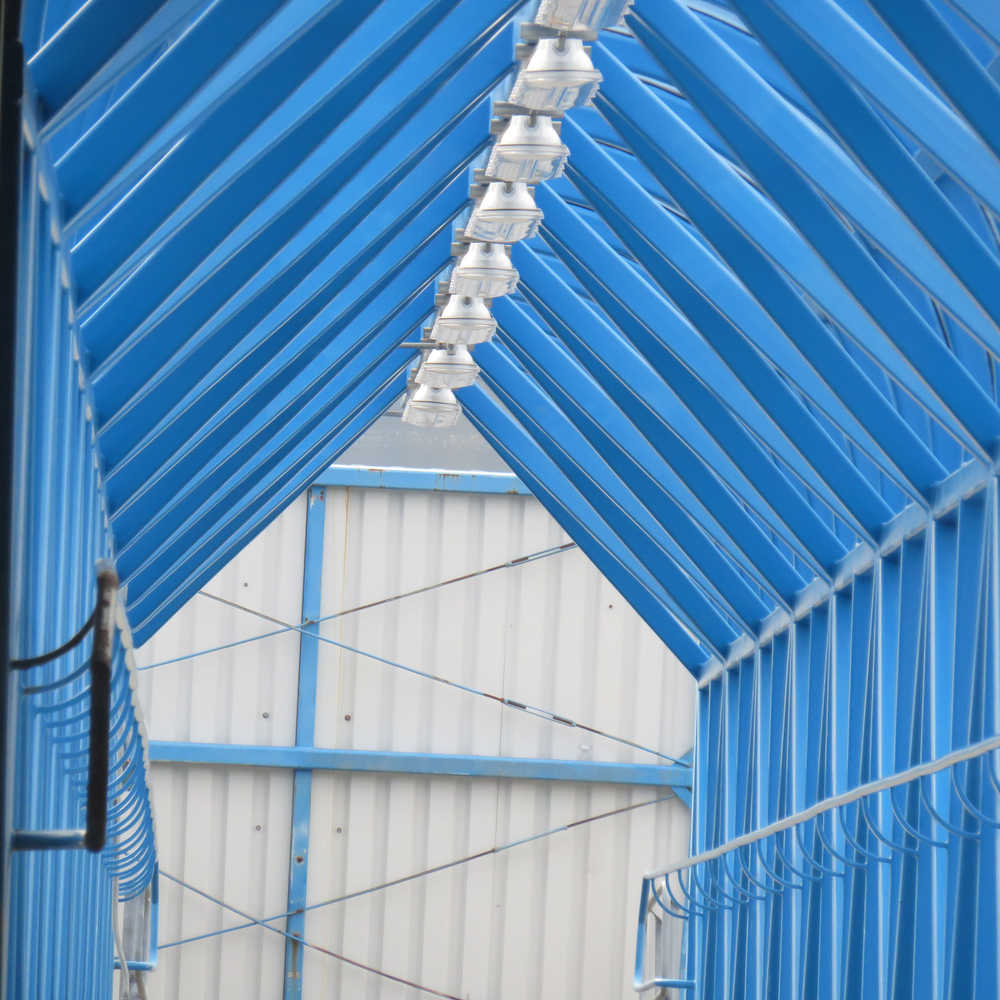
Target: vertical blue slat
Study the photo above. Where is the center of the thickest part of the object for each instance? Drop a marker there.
(305, 727)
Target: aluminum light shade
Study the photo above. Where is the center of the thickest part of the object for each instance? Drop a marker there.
(464, 320)
(430, 407)
(558, 76)
(529, 150)
(448, 368)
(485, 272)
(590, 14)
(506, 213)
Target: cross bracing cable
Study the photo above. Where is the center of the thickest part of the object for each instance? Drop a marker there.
(509, 564)
(402, 880)
(308, 944)
(541, 713)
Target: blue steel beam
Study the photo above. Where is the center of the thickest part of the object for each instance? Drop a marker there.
(81, 45)
(152, 550)
(376, 93)
(385, 762)
(634, 460)
(371, 121)
(305, 730)
(668, 148)
(275, 432)
(258, 379)
(225, 498)
(257, 276)
(706, 344)
(134, 118)
(432, 480)
(678, 261)
(671, 429)
(614, 284)
(364, 407)
(582, 523)
(860, 128)
(118, 232)
(568, 383)
(983, 14)
(576, 322)
(915, 106)
(609, 496)
(948, 61)
(156, 379)
(715, 79)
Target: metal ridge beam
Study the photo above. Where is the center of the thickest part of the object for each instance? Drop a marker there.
(397, 762)
(435, 480)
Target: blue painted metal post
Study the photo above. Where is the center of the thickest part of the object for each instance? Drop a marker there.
(305, 726)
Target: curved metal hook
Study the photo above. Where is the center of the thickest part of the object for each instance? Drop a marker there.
(717, 885)
(809, 856)
(854, 844)
(750, 895)
(784, 860)
(830, 849)
(769, 890)
(687, 911)
(972, 810)
(909, 829)
(966, 834)
(767, 868)
(689, 895)
(711, 901)
(892, 845)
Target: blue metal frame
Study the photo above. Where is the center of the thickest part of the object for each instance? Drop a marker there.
(305, 728)
(397, 762)
(433, 480)
(751, 369)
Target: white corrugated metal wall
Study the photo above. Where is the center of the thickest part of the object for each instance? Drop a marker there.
(553, 917)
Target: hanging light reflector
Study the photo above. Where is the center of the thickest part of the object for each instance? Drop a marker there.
(464, 320)
(506, 213)
(430, 407)
(558, 76)
(449, 367)
(485, 272)
(529, 150)
(590, 14)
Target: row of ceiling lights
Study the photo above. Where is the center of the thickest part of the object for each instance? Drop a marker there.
(556, 74)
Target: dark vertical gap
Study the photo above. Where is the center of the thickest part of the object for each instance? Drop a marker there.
(11, 70)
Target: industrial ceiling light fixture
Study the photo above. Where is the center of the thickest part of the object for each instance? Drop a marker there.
(484, 272)
(463, 320)
(431, 407)
(558, 76)
(448, 367)
(506, 213)
(590, 14)
(529, 150)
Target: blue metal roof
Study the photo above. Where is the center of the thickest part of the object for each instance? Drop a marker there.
(759, 323)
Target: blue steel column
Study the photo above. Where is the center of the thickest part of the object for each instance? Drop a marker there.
(305, 727)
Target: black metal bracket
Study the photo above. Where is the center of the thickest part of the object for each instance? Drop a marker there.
(103, 623)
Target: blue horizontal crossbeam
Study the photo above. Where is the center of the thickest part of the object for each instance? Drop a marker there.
(435, 480)
(395, 762)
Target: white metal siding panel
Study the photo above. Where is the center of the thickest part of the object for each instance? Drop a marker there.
(223, 697)
(554, 917)
(550, 918)
(226, 831)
